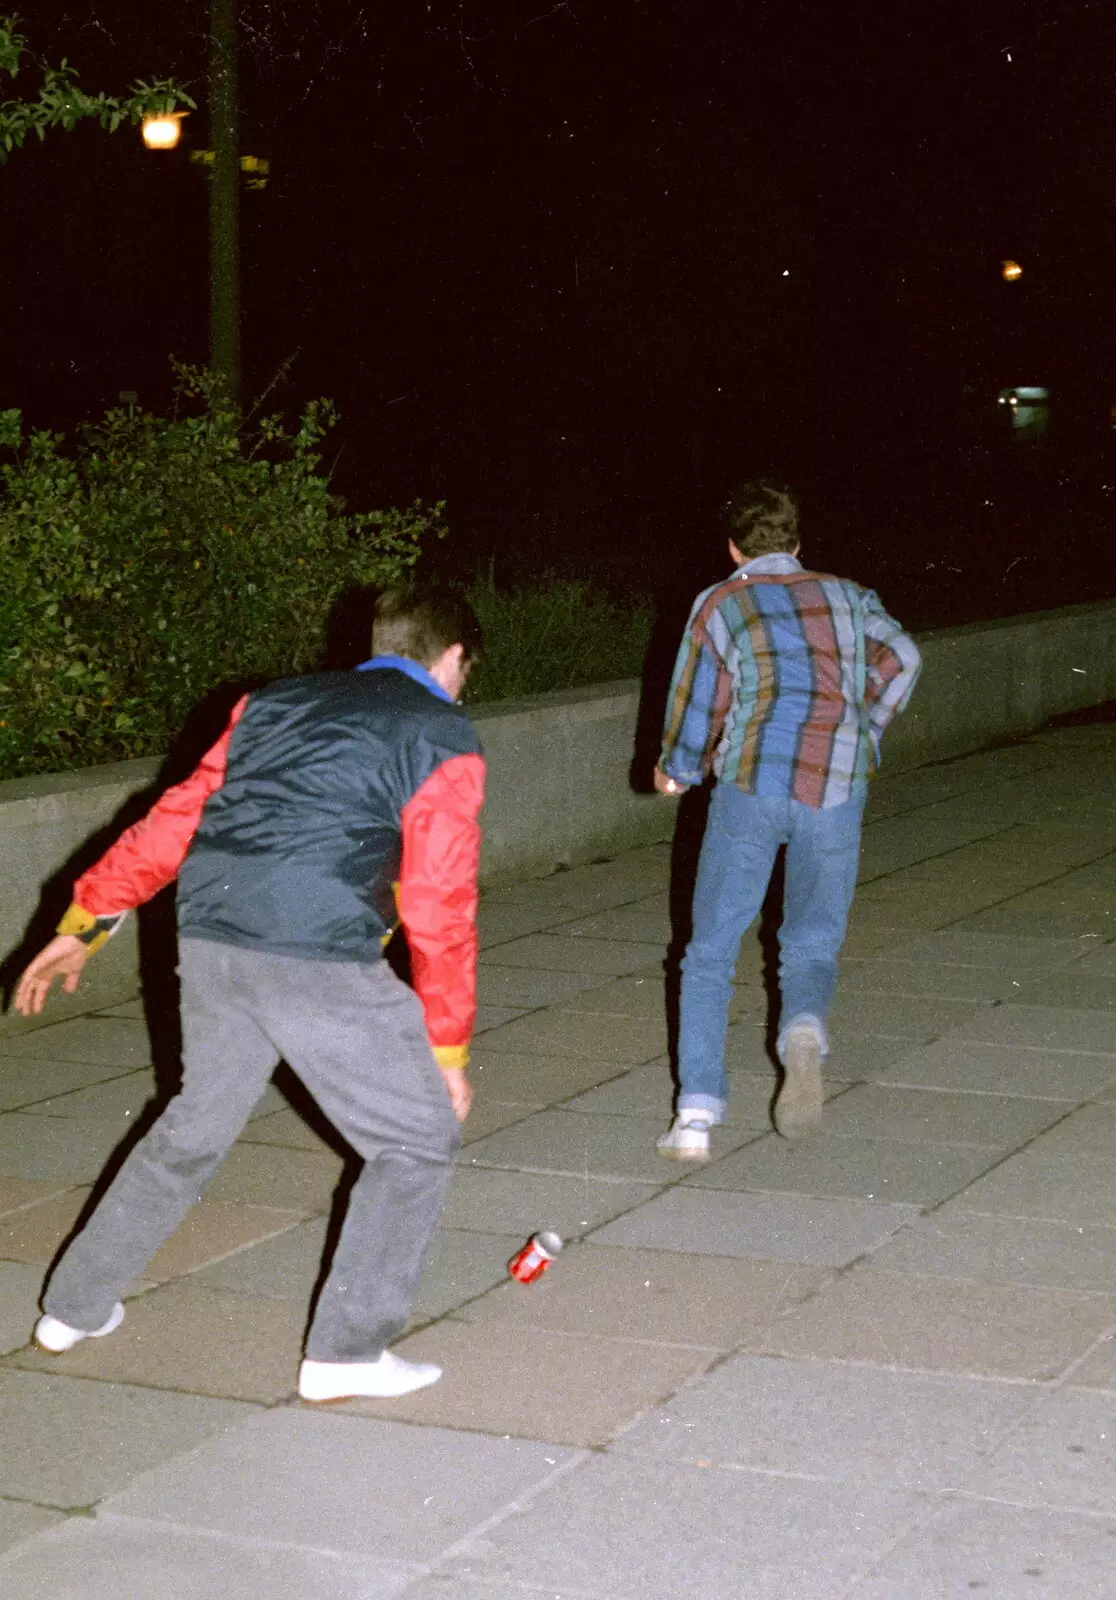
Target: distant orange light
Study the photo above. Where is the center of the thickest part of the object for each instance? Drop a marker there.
(162, 133)
(1010, 271)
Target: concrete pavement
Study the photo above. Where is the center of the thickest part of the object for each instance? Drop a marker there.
(881, 1366)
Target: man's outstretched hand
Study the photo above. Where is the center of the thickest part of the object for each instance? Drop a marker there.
(64, 957)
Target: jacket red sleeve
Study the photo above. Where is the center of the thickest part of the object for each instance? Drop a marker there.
(438, 901)
(147, 856)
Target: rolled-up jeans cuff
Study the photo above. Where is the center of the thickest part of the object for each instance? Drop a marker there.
(708, 1103)
(804, 1019)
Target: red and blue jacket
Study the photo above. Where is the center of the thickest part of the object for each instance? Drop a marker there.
(331, 807)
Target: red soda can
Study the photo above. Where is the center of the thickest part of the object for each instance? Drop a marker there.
(536, 1255)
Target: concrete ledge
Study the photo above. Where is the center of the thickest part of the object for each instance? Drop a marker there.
(559, 789)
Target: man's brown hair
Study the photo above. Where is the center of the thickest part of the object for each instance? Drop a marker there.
(762, 517)
(422, 621)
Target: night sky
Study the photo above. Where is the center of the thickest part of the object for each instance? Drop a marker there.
(579, 267)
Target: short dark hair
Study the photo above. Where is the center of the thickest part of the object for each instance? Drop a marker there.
(762, 517)
(422, 621)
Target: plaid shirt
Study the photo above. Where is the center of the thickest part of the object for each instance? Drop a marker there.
(784, 684)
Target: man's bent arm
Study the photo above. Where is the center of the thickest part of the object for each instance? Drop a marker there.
(695, 709)
(147, 856)
(438, 901)
(892, 664)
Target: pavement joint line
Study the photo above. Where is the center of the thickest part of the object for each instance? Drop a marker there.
(246, 1541)
(516, 1506)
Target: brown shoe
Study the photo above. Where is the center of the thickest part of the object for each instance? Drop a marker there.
(798, 1106)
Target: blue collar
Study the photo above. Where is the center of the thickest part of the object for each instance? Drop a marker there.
(412, 669)
(779, 562)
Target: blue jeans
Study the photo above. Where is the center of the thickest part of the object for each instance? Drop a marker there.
(742, 837)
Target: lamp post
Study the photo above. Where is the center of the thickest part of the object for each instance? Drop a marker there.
(224, 198)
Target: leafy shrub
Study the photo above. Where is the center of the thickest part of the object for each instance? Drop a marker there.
(555, 633)
(165, 556)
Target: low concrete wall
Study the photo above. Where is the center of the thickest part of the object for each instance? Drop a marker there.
(559, 788)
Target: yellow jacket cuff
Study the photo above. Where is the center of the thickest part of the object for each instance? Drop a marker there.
(451, 1055)
(92, 931)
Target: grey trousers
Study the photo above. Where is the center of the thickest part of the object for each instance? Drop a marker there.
(354, 1034)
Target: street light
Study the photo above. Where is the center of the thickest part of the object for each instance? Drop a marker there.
(1010, 271)
(162, 132)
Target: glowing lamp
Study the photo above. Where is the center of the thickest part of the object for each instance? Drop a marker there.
(162, 132)
(1010, 271)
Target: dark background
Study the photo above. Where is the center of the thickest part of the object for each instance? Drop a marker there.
(578, 268)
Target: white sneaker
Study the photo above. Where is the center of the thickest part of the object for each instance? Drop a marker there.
(687, 1140)
(798, 1107)
(385, 1379)
(56, 1337)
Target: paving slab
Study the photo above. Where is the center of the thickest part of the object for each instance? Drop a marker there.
(554, 953)
(524, 1078)
(65, 1443)
(285, 1267)
(1072, 989)
(1061, 1188)
(641, 995)
(487, 1200)
(881, 1110)
(264, 1175)
(1098, 962)
(286, 1127)
(892, 1015)
(813, 1420)
(20, 1521)
(352, 1485)
(120, 1099)
(938, 979)
(17, 1193)
(27, 1080)
(1089, 1131)
(955, 1243)
(1063, 1455)
(193, 1339)
(1009, 1552)
(488, 1115)
(1001, 1069)
(113, 1041)
(20, 1287)
(661, 1296)
(485, 1018)
(119, 1559)
(534, 1383)
(528, 987)
(56, 1149)
(890, 1319)
(1098, 1369)
(829, 1165)
(576, 1142)
(1040, 1028)
(625, 1041)
(1014, 954)
(773, 1227)
(663, 1531)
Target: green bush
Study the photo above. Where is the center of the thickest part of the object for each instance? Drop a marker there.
(162, 557)
(555, 633)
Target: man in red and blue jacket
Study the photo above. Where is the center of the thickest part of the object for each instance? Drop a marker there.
(331, 807)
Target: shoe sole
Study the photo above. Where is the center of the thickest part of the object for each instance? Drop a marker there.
(339, 1399)
(684, 1155)
(798, 1108)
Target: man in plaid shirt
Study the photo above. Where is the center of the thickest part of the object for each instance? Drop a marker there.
(784, 684)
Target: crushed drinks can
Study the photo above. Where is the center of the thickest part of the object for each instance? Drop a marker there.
(536, 1255)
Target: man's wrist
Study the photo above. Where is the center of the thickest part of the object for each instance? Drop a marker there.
(91, 930)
